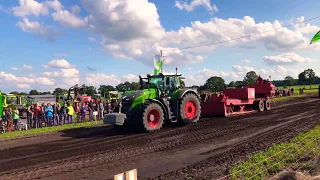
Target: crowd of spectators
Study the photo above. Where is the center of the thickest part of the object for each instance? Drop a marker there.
(48, 115)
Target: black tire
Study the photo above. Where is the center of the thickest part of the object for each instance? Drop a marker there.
(255, 105)
(192, 113)
(267, 105)
(260, 105)
(152, 117)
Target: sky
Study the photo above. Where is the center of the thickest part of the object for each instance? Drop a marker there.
(46, 44)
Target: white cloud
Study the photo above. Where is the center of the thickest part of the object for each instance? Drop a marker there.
(95, 79)
(196, 3)
(92, 39)
(15, 68)
(287, 58)
(27, 67)
(68, 19)
(65, 77)
(24, 82)
(54, 4)
(30, 7)
(130, 78)
(58, 63)
(306, 28)
(23, 86)
(36, 28)
(24, 67)
(246, 61)
(75, 9)
(238, 68)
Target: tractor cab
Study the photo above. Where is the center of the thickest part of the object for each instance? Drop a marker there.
(166, 83)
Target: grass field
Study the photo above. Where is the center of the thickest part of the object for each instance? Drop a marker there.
(298, 153)
(314, 88)
(15, 134)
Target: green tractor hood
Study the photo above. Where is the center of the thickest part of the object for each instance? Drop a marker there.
(134, 99)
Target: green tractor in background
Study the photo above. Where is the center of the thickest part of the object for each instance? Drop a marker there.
(1, 108)
(162, 100)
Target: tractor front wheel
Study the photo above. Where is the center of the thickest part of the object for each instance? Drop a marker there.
(152, 117)
(190, 109)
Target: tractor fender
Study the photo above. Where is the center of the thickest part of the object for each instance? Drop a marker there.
(166, 114)
(179, 94)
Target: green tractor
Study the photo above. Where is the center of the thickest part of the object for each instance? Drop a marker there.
(161, 99)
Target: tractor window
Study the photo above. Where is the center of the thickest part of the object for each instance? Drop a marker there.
(156, 83)
(168, 81)
(12, 100)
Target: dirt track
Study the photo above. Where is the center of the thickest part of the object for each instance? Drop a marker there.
(205, 150)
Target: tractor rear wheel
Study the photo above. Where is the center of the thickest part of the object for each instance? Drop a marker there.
(190, 109)
(152, 117)
(260, 106)
(267, 105)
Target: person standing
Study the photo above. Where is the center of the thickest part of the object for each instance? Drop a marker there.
(36, 116)
(29, 116)
(83, 112)
(49, 114)
(56, 114)
(101, 109)
(70, 111)
(15, 117)
(9, 116)
(91, 109)
(63, 113)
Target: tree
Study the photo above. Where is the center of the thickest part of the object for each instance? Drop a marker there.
(302, 78)
(250, 78)
(215, 83)
(14, 93)
(289, 81)
(45, 93)
(90, 90)
(310, 76)
(23, 93)
(34, 92)
(135, 86)
(232, 84)
(59, 91)
(124, 86)
(104, 89)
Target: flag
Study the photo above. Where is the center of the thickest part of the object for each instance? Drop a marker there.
(315, 38)
(158, 62)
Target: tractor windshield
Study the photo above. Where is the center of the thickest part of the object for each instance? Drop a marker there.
(11, 100)
(156, 82)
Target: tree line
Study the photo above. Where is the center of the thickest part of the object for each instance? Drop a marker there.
(213, 84)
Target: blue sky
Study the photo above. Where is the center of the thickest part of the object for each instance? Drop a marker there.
(128, 34)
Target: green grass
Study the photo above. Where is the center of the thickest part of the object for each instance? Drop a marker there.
(15, 134)
(278, 157)
(307, 87)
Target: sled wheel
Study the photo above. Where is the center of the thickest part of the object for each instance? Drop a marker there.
(190, 109)
(260, 105)
(152, 117)
(267, 105)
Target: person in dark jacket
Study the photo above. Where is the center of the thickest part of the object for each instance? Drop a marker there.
(91, 109)
(63, 114)
(9, 117)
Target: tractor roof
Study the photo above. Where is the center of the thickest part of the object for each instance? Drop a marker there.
(160, 75)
